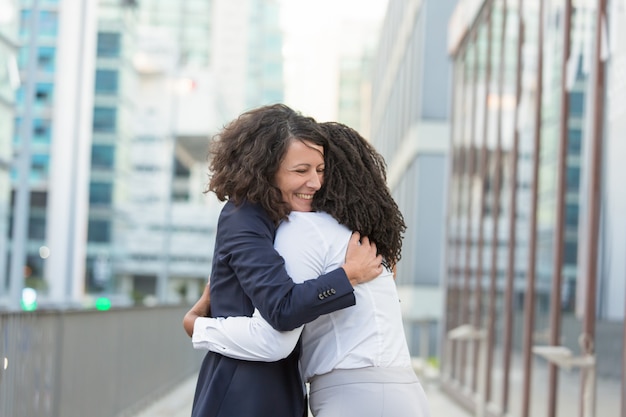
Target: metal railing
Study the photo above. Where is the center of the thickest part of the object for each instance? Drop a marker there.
(91, 363)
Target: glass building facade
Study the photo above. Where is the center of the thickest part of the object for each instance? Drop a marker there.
(264, 78)
(534, 253)
(113, 90)
(9, 81)
(33, 123)
(410, 128)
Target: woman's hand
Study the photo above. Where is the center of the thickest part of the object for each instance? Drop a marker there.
(202, 308)
(362, 262)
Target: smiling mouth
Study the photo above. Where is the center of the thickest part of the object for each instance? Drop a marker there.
(305, 196)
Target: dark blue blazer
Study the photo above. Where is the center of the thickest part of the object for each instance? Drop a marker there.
(248, 272)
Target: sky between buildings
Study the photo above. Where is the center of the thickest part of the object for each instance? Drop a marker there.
(312, 31)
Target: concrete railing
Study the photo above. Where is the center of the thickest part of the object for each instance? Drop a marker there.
(91, 363)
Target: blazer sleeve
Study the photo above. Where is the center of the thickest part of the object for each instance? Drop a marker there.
(249, 252)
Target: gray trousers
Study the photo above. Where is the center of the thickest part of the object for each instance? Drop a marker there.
(368, 392)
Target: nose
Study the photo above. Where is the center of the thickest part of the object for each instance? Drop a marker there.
(314, 181)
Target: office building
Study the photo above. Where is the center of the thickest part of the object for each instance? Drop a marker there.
(9, 81)
(410, 127)
(198, 64)
(56, 72)
(534, 268)
(356, 55)
(247, 55)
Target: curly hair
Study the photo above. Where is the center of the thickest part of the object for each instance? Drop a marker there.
(246, 154)
(355, 191)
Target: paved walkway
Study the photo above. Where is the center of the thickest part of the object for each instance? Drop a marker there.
(178, 403)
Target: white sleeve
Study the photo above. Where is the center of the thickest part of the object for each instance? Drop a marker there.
(245, 338)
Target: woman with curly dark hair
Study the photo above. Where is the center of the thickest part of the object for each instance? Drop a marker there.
(356, 359)
(247, 158)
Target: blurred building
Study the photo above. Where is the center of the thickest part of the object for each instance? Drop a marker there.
(114, 105)
(534, 244)
(198, 64)
(410, 127)
(117, 103)
(165, 226)
(9, 81)
(247, 55)
(356, 55)
(49, 180)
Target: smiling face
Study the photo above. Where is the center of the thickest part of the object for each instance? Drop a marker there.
(300, 174)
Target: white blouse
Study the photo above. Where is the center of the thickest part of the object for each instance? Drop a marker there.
(369, 333)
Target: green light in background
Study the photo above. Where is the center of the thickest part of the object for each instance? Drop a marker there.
(103, 304)
(29, 299)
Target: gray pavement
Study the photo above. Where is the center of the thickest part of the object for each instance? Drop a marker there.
(178, 402)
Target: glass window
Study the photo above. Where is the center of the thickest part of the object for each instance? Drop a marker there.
(99, 231)
(25, 22)
(180, 170)
(571, 215)
(102, 156)
(570, 255)
(39, 199)
(46, 59)
(180, 195)
(40, 166)
(573, 178)
(573, 138)
(42, 130)
(108, 44)
(43, 93)
(100, 193)
(48, 23)
(106, 81)
(577, 103)
(37, 228)
(104, 119)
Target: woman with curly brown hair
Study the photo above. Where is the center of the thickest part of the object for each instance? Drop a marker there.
(247, 273)
(356, 359)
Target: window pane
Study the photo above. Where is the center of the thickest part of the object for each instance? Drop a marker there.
(108, 44)
(104, 119)
(42, 131)
(571, 215)
(99, 231)
(40, 166)
(43, 94)
(574, 136)
(37, 228)
(48, 23)
(102, 156)
(46, 59)
(577, 103)
(100, 193)
(106, 81)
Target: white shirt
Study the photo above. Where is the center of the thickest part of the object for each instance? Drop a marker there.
(369, 333)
